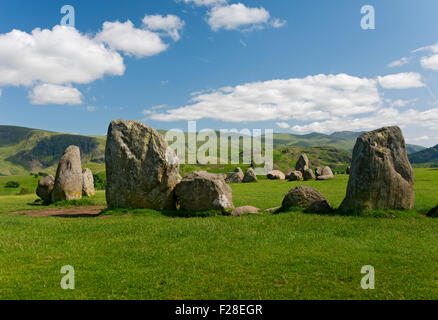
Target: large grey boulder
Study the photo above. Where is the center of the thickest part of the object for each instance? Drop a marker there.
(202, 191)
(235, 177)
(88, 183)
(381, 176)
(68, 180)
(45, 188)
(141, 170)
(276, 175)
(250, 176)
(302, 163)
(306, 197)
(324, 173)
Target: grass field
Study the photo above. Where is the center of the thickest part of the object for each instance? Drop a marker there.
(292, 255)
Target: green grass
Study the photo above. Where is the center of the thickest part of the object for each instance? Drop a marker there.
(150, 255)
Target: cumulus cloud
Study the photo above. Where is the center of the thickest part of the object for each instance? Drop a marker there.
(384, 117)
(130, 40)
(317, 97)
(170, 24)
(235, 16)
(401, 81)
(398, 63)
(55, 94)
(58, 56)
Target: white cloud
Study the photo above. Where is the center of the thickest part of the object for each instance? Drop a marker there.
(204, 2)
(384, 117)
(58, 56)
(312, 98)
(170, 24)
(55, 94)
(430, 62)
(401, 81)
(130, 40)
(398, 63)
(278, 23)
(283, 125)
(235, 16)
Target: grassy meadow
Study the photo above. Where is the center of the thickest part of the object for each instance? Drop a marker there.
(144, 254)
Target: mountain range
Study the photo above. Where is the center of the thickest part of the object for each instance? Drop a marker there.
(24, 150)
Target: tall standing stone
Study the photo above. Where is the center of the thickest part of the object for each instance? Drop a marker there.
(68, 180)
(88, 183)
(141, 170)
(302, 163)
(381, 176)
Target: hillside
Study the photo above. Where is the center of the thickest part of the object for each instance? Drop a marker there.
(427, 156)
(25, 150)
(343, 140)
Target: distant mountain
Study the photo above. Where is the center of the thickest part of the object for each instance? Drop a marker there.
(343, 140)
(24, 150)
(429, 155)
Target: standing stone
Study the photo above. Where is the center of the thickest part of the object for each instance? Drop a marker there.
(68, 181)
(302, 163)
(88, 183)
(324, 173)
(141, 170)
(276, 175)
(235, 177)
(202, 191)
(250, 176)
(381, 176)
(308, 174)
(295, 176)
(45, 188)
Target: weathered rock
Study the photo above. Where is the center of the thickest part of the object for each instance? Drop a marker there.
(302, 163)
(294, 176)
(324, 173)
(381, 176)
(308, 174)
(235, 177)
(250, 176)
(276, 175)
(272, 210)
(68, 180)
(141, 170)
(245, 210)
(202, 191)
(88, 183)
(304, 197)
(45, 188)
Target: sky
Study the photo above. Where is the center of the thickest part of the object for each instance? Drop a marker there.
(293, 66)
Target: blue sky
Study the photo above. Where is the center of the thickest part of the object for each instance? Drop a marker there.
(293, 66)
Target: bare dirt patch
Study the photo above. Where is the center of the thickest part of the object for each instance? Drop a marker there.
(76, 212)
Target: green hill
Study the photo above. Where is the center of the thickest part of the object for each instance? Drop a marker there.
(25, 150)
(427, 156)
